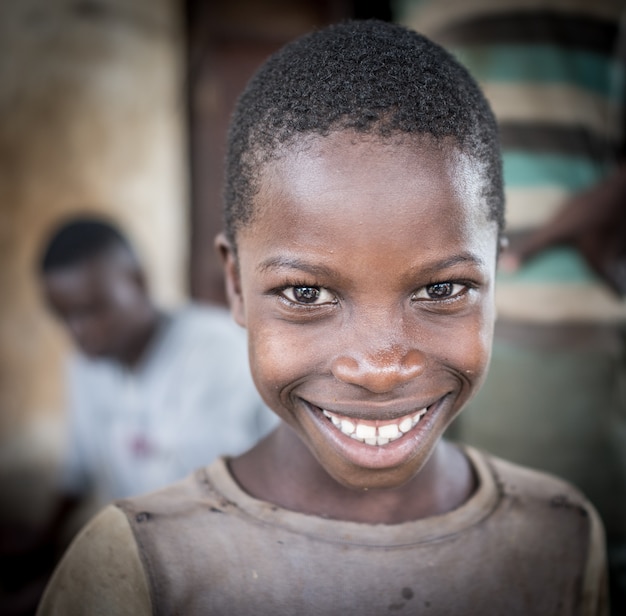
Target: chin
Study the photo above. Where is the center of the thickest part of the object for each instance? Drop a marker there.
(375, 479)
(97, 353)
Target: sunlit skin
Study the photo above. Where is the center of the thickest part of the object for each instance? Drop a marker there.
(365, 280)
(104, 304)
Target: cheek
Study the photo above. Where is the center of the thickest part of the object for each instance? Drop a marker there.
(123, 295)
(472, 351)
(266, 357)
(476, 355)
(278, 359)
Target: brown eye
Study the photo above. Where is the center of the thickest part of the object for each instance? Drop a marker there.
(440, 290)
(310, 295)
(306, 295)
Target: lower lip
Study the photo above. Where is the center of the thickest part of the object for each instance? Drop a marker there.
(379, 456)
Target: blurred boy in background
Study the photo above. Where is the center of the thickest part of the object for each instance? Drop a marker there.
(153, 395)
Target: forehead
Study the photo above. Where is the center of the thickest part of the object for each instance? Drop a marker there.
(366, 181)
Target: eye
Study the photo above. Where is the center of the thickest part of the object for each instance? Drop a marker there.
(439, 291)
(302, 294)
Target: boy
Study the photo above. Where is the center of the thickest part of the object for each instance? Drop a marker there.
(152, 395)
(363, 210)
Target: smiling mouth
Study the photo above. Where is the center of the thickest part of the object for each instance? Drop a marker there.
(377, 435)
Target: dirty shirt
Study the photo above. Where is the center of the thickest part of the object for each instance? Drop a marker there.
(524, 543)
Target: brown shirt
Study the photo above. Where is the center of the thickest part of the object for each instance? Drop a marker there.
(525, 543)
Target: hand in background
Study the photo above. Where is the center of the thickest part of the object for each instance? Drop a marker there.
(593, 221)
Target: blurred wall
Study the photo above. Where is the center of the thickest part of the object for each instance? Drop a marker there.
(90, 119)
(227, 42)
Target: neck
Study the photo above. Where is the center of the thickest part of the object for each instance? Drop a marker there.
(146, 330)
(281, 470)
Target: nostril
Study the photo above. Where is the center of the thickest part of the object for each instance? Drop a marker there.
(413, 363)
(346, 369)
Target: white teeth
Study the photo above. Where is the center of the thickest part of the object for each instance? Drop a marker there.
(347, 427)
(390, 431)
(406, 424)
(334, 419)
(364, 431)
(375, 435)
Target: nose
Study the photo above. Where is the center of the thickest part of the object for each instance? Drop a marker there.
(382, 371)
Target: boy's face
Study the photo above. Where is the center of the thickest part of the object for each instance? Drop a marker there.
(100, 301)
(366, 284)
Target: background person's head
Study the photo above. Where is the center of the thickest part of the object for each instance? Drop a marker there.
(94, 283)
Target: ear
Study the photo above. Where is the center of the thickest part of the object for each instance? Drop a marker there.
(232, 278)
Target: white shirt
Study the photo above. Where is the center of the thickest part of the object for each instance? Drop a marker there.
(191, 400)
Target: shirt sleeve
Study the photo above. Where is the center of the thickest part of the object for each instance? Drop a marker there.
(595, 583)
(100, 574)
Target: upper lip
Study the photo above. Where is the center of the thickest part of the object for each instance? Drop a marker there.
(373, 411)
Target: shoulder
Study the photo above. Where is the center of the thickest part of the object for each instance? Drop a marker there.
(107, 569)
(541, 515)
(196, 492)
(101, 573)
(172, 519)
(534, 486)
(535, 506)
(549, 498)
(522, 490)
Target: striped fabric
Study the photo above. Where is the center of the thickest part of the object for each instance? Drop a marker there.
(551, 71)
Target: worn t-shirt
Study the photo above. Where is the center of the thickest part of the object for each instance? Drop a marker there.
(190, 400)
(524, 543)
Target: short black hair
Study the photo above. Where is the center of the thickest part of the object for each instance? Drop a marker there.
(79, 239)
(372, 77)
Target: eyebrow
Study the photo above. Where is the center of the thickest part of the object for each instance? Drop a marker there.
(464, 257)
(317, 269)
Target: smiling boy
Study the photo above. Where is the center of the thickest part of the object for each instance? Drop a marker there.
(363, 215)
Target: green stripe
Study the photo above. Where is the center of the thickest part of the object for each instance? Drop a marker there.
(540, 64)
(528, 170)
(559, 265)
